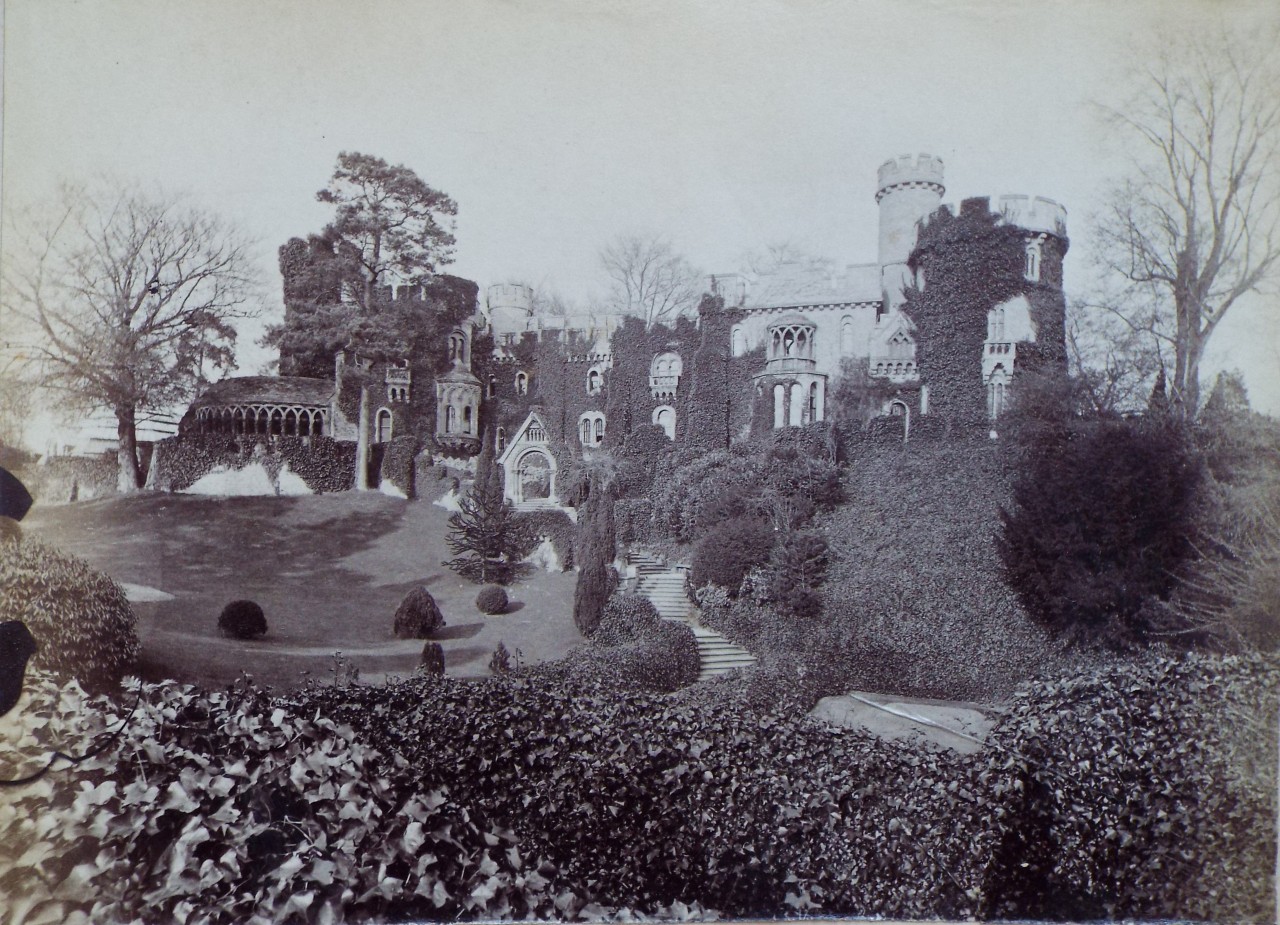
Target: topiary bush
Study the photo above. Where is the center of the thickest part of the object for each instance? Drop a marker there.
(492, 600)
(418, 615)
(432, 659)
(242, 620)
(80, 618)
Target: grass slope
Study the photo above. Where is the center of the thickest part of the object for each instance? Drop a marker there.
(329, 571)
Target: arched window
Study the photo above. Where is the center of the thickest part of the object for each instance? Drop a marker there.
(846, 337)
(466, 419)
(897, 409)
(522, 383)
(277, 423)
(738, 342)
(317, 425)
(290, 423)
(593, 382)
(502, 440)
(798, 402)
(450, 419)
(600, 429)
(997, 392)
(1033, 261)
(382, 428)
(997, 325)
(779, 406)
(493, 387)
(665, 417)
(812, 411)
(533, 475)
(585, 433)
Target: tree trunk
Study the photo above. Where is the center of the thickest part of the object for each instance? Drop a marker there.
(362, 441)
(127, 472)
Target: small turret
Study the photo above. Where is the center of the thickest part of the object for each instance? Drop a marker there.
(908, 189)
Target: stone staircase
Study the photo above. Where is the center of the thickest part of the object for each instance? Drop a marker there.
(665, 588)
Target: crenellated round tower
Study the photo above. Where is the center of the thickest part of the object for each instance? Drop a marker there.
(510, 309)
(908, 189)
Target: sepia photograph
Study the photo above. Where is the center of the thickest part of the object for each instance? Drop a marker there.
(639, 460)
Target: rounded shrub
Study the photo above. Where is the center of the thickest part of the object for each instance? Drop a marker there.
(242, 620)
(418, 615)
(491, 600)
(81, 619)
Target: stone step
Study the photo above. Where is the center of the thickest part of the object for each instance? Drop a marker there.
(664, 587)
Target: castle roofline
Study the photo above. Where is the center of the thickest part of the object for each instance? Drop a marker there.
(277, 390)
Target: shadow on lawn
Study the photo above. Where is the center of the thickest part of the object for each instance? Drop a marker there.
(458, 631)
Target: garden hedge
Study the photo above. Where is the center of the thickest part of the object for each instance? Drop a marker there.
(324, 464)
(1142, 791)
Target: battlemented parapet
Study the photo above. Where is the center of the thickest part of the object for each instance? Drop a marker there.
(906, 170)
(1033, 213)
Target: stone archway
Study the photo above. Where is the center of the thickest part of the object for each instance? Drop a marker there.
(535, 477)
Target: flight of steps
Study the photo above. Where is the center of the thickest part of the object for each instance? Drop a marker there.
(665, 588)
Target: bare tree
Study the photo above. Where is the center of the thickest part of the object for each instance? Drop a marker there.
(133, 296)
(1114, 363)
(1193, 228)
(649, 279)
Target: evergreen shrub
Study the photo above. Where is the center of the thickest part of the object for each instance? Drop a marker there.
(418, 615)
(242, 620)
(432, 659)
(1100, 523)
(729, 550)
(492, 600)
(80, 618)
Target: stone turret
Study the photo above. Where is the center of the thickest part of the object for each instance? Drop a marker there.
(510, 310)
(908, 189)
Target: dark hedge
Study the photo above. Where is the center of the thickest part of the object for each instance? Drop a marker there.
(324, 464)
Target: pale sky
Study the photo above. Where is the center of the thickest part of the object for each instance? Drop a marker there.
(725, 125)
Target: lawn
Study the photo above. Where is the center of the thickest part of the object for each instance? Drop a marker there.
(329, 570)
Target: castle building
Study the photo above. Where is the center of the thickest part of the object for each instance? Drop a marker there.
(763, 353)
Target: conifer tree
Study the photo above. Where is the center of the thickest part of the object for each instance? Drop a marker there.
(597, 547)
(486, 533)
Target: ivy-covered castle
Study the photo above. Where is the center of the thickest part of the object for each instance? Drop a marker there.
(956, 305)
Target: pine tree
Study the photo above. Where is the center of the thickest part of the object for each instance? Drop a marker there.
(488, 536)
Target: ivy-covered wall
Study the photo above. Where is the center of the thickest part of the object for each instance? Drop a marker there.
(630, 402)
(970, 263)
(325, 464)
